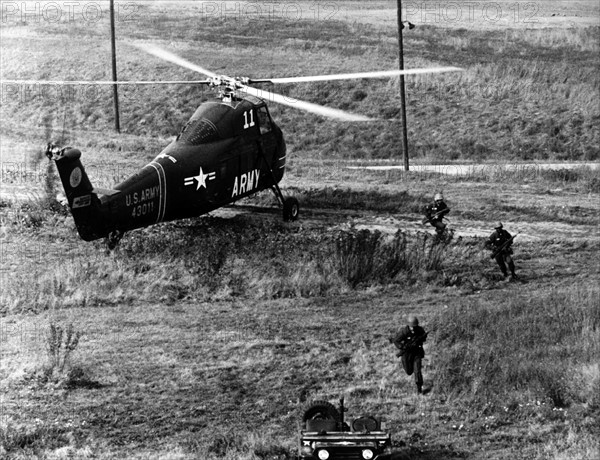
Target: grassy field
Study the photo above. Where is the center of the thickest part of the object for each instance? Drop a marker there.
(207, 338)
(526, 93)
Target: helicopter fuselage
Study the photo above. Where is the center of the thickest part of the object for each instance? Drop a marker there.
(227, 151)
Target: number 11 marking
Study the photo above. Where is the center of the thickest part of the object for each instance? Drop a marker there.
(251, 123)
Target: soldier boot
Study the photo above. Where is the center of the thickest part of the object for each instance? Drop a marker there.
(511, 266)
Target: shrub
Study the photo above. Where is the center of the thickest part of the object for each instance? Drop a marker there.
(366, 256)
(60, 344)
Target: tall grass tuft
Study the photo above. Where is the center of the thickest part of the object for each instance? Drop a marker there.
(60, 344)
(364, 256)
(215, 259)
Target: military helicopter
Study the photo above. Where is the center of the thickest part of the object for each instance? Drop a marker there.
(229, 149)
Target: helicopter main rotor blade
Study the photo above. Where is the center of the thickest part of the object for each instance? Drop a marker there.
(105, 82)
(327, 111)
(266, 95)
(284, 100)
(170, 57)
(351, 76)
(317, 109)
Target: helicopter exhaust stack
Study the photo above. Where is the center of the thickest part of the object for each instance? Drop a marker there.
(83, 202)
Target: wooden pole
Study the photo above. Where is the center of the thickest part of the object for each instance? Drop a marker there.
(114, 65)
(402, 90)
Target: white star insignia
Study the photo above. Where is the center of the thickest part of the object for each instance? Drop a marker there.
(200, 179)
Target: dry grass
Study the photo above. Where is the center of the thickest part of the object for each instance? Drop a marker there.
(525, 94)
(206, 338)
(207, 259)
(218, 350)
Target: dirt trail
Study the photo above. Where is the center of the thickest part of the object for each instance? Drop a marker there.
(344, 219)
(331, 219)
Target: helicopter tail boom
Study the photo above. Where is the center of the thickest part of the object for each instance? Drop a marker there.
(83, 201)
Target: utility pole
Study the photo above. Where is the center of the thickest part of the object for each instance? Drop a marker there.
(402, 90)
(114, 65)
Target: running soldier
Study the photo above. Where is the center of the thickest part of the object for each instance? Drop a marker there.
(435, 212)
(500, 242)
(409, 341)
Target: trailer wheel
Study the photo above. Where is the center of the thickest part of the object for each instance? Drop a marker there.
(365, 424)
(321, 410)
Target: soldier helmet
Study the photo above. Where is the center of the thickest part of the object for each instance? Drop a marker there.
(438, 197)
(413, 321)
(498, 225)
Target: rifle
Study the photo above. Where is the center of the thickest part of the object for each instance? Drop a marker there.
(430, 218)
(412, 342)
(503, 247)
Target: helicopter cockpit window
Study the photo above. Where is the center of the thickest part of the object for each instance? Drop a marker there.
(264, 120)
(198, 132)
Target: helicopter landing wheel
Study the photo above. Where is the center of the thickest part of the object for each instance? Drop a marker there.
(291, 209)
(113, 239)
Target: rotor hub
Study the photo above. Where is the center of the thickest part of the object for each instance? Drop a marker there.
(229, 83)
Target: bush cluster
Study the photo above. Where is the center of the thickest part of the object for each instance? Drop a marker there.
(371, 257)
